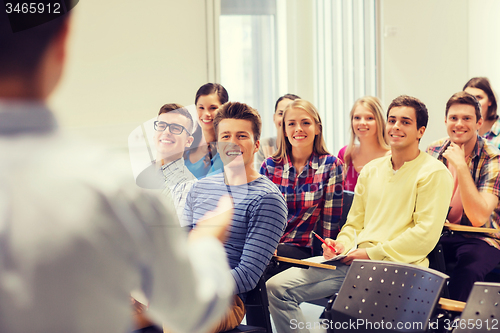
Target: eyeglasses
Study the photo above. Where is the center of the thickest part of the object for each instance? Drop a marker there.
(175, 129)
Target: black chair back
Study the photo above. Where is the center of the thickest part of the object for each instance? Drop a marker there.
(437, 262)
(257, 310)
(346, 206)
(482, 310)
(385, 296)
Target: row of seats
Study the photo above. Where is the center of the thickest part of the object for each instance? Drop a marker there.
(383, 296)
(389, 300)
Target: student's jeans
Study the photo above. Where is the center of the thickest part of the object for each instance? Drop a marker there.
(296, 285)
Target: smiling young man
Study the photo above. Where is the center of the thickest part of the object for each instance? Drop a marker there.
(260, 211)
(474, 165)
(168, 171)
(173, 129)
(398, 211)
(172, 136)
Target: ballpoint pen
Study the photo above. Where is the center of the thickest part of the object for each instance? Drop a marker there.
(323, 241)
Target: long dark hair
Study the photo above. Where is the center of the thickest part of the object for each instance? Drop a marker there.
(208, 89)
(484, 84)
(291, 97)
(212, 88)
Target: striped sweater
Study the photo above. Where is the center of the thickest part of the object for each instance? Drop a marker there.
(259, 219)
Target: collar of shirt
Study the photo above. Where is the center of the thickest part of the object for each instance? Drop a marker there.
(24, 117)
(312, 163)
(475, 152)
(405, 164)
(178, 163)
(494, 131)
(178, 171)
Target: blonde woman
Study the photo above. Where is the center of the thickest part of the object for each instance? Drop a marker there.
(309, 178)
(368, 140)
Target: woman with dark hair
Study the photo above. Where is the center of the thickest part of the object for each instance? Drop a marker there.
(194, 156)
(480, 88)
(268, 146)
(203, 158)
(309, 178)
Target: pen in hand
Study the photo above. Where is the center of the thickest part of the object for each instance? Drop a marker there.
(323, 241)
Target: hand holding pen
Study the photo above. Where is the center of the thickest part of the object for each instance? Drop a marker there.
(329, 250)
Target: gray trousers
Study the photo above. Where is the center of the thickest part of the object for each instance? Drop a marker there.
(296, 285)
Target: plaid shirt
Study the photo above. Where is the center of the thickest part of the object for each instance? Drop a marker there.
(484, 165)
(314, 195)
(493, 135)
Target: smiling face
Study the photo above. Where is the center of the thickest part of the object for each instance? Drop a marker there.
(236, 144)
(364, 123)
(482, 98)
(278, 114)
(300, 129)
(206, 105)
(169, 146)
(401, 128)
(462, 125)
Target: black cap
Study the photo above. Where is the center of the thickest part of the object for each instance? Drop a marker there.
(26, 14)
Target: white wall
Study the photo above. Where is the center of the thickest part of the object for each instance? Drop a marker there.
(126, 59)
(484, 37)
(300, 42)
(425, 54)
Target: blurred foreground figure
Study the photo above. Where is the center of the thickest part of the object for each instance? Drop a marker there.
(76, 234)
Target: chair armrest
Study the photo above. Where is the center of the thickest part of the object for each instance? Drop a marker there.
(303, 263)
(451, 305)
(466, 228)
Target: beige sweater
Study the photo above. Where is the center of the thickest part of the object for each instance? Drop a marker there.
(399, 216)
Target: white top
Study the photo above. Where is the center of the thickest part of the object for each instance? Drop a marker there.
(77, 236)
